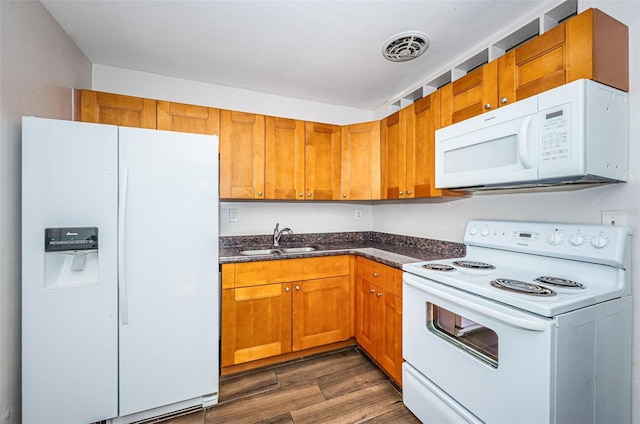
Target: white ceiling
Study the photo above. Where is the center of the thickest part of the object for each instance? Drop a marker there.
(325, 51)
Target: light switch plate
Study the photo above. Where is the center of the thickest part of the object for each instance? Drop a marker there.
(233, 215)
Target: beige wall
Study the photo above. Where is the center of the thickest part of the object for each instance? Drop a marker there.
(39, 65)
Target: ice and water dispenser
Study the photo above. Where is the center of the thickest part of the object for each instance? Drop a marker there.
(71, 257)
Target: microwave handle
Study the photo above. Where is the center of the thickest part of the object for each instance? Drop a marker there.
(523, 151)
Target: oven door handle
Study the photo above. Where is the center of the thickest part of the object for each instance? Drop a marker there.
(523, 323)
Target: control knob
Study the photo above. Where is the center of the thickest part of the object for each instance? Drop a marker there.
(576, 239)
(555, 238)
(473, 231)
(599, 242)
(484, 232)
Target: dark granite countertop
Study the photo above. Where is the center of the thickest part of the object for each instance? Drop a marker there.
(390, 249)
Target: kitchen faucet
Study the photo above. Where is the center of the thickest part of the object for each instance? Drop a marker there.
(277, 234)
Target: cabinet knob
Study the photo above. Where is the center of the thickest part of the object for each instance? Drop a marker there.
(372, 291)
(301, 195)
(504, 100)
(379, 294)
(259, 193)
(488, 106)
(408, 191)
(375, 274)
(297, 287)
(309, 194)
(401, 193)
(287, 289)
(344, 194)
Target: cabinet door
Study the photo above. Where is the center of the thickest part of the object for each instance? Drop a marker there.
(116, 109)
(241, 155)
(533, 67)
(471, 95)
(395, 156)
(256, 323)
(365, 315)
(322, 161)
(284, 159)
(389, 332)
(320, 312)
(188, 118)
(360, 164)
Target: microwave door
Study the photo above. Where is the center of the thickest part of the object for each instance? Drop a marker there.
(505, 152)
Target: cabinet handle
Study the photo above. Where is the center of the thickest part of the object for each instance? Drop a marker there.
(301, 195)
(504, 100)
(379, 294)
(372, 291)
(487, 106)
(259, 193)
(375, 274)
(408, 191)
(401, 193)
(297, 287)
(309, 194)
(344, 194)
(287, 289)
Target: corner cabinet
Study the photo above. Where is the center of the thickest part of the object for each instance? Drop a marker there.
(270, 308)
(378, 314)
(242, 148)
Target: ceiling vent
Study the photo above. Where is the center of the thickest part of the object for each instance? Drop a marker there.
(405, 46)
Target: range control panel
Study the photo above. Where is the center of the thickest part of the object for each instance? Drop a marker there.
(70, 238)
(604, 244)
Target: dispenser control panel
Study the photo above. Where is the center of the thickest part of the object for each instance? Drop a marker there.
(70, 238)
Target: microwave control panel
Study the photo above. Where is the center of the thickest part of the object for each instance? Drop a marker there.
(555, 139)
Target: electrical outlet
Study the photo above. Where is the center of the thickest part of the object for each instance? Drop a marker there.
(614, 217)
(233, 215)
(358, 214)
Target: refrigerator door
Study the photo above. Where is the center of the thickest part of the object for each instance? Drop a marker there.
(168, 268)
(69, 306)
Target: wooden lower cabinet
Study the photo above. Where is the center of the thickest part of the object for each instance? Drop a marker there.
(378, 314)
(266, 314)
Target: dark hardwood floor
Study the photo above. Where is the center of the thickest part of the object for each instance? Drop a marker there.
(336, 387)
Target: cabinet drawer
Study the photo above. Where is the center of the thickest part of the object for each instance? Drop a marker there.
(370, 271)
(326, 266)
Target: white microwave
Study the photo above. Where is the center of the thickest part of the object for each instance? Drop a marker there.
(576, 133)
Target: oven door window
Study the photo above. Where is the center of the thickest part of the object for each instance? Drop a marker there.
(465, 334)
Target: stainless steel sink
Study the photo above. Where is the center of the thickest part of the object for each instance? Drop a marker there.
(259, 252)
(298, 249)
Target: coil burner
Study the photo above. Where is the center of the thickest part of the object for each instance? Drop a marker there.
(522, 287)
(439, 267)
(474, 265)
(560, 282)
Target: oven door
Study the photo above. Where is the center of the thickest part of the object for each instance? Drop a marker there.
(491, 360)
(493, 148)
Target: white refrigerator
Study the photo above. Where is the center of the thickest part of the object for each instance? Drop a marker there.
(120, 282)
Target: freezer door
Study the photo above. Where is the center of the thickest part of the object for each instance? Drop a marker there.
(69, 300)
(168, 268)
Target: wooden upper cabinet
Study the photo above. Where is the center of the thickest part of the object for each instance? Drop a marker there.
(471, 95)
(188, 118)
(116, 109)
(395, 157)
(598, 49)
(242, 145)
(360, 164)
(284, 159)
(322, 161)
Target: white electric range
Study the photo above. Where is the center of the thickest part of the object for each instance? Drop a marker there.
(531, 325)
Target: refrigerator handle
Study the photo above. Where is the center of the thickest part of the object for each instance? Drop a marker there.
(122, 220)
